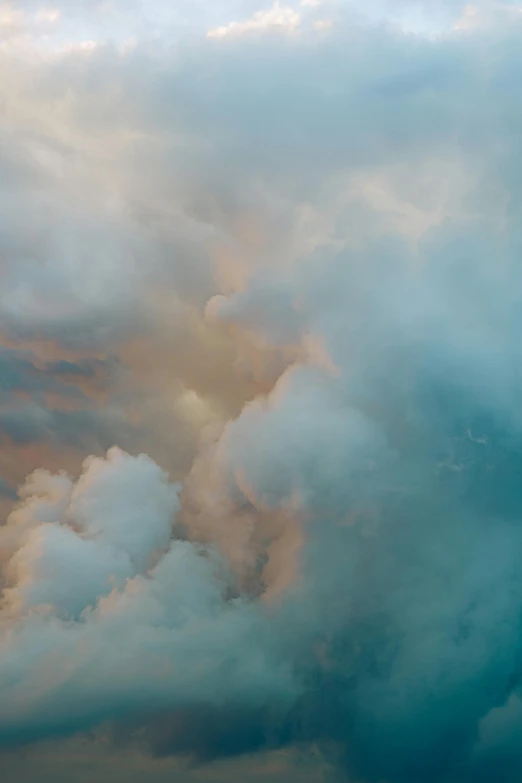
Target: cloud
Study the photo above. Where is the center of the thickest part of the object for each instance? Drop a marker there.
(63, 761)
(92, 573)
(10, 18)
(295, 259)
(488, 14)
(323, 24)
(279, 18)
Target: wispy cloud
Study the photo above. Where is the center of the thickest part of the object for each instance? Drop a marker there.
(279, 18)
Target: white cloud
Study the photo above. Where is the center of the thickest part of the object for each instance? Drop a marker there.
(278, 18)
(475, 16)
(104, 604)
(323, 24)
(12, 20)
(84, 47)
(47, 16)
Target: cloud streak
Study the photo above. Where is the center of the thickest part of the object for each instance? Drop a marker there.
(278, 18)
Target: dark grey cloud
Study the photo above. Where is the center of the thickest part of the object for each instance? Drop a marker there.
(88, 430)
(89, 758)
(42, 403)
(82, 369)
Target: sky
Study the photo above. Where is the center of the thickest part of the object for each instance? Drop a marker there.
(260, 383)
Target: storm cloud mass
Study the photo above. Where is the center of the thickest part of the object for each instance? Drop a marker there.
(260, 391)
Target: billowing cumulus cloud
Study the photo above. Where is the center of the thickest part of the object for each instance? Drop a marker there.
(96, 588)
(280, 257)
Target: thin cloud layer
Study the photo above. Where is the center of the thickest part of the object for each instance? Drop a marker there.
(286, 268)
(278, 18)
